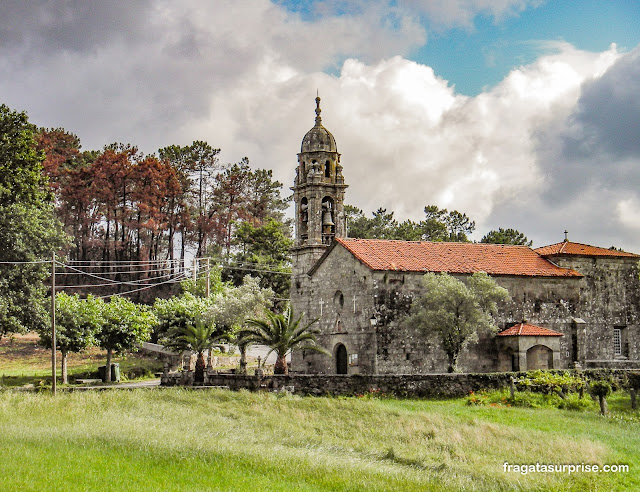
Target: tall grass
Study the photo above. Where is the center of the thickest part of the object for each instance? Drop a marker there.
(176, 439)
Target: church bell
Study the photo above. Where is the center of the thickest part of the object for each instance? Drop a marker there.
(326, 218)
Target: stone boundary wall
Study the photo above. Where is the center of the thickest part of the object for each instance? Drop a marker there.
(403, 385)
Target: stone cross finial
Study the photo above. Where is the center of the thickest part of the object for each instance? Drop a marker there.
(318, 111)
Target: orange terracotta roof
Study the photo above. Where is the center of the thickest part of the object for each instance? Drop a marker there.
(420, 256)
(576, 249)
(524, 330)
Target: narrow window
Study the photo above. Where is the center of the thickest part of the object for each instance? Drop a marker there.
(617, 341)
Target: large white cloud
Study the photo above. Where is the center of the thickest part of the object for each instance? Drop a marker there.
(552, 146)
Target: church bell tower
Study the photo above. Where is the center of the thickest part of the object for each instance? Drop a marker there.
(318, 193)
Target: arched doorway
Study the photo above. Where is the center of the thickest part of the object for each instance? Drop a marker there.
(539, 357)
(341, 359)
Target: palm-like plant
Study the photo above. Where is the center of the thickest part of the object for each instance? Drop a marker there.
(196, 338)
(281, 333)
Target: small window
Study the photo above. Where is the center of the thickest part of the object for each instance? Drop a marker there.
(617, 341)
(327, 169)
(537, 307)
(338, 299)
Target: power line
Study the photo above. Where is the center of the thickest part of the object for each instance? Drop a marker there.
(117, 272)
(172, 281)
(37, 262)
(117, 282)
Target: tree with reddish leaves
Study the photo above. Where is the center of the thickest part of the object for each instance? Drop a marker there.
(61, 148)
(112, 186)
(70, 177)
(230, 205)
(156, 187)
(197, 167)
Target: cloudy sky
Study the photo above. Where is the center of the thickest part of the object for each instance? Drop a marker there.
(521, 113)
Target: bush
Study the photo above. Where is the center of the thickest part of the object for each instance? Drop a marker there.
(574, 402)
(601, 388)
(479, 398)
(550, 382)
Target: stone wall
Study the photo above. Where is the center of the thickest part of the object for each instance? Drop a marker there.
(404, 385)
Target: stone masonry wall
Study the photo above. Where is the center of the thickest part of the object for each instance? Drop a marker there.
(404, 385)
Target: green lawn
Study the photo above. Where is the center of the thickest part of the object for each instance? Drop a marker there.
(23, 361)
(176, 439)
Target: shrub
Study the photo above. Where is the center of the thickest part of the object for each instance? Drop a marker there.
(574, 402)
(601, 388)
(550, 382)
(479, 398)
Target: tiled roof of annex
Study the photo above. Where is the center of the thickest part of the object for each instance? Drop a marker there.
(422, 256)
(576, 249)
(525, 330)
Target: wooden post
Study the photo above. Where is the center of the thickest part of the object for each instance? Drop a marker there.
(195, 278)
(53, 324)
(208, 277)
(632, 393)
(512, 388)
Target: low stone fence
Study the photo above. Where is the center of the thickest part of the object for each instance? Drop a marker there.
(422, 385)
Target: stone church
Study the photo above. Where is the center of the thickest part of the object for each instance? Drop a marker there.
(572, 305)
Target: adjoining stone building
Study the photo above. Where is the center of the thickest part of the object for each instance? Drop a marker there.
(571, 304)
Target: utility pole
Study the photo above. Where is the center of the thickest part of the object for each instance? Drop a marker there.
(208, 277)
(53, 324)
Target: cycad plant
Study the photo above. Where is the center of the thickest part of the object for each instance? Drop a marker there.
(281, 333)
(198, 338)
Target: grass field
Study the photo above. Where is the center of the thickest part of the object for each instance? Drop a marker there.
(23, 361)
(176, 439)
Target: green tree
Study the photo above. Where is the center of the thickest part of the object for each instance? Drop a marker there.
(433, 227)
(29, 231)
(77, 323)
(382, 225)
(459, 226)
(506, 236)
(177, 312)
(265, 249)
(126, 325)
(231, 309)
(454, 311)
(282, 333)
(199, 287)
(438, 225)
(198, 337)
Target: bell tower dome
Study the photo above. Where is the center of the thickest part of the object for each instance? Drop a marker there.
(318, 193)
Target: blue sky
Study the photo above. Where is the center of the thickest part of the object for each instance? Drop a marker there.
(482, 53)
(519, 113)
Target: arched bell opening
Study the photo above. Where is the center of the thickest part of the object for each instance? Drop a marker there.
(328, 220)
(304, 219)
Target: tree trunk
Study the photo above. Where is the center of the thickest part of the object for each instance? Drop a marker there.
(243, 359)
(604, 408)
(634, 403)
(200, 363)
(453, 359)
(65, 380)
(107, 369)
(281, 365)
